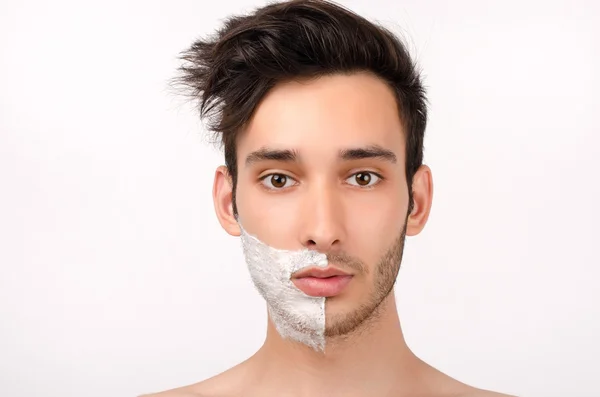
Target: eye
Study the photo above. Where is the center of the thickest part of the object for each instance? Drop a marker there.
(364, 179)
(276, 181)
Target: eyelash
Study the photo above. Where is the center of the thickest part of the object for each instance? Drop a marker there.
(262, 178)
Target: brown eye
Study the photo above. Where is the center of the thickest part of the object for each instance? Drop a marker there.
(278, 180)
(363, 178)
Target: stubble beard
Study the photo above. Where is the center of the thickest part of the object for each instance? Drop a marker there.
(341, 326)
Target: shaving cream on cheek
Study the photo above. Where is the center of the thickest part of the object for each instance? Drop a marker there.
(296, 316)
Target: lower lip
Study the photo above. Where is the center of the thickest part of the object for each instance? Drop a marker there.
(322, 287)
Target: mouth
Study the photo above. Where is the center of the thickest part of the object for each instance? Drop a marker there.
(321, 282)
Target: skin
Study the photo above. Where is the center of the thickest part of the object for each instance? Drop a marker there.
(354, 210)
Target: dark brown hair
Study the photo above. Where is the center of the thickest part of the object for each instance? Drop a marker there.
(229, 73)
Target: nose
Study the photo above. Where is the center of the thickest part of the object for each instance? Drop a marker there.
(322, 219)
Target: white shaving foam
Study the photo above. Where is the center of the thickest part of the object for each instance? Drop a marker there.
(296, 316)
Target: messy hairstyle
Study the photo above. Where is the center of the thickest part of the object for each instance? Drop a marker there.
(229, 73)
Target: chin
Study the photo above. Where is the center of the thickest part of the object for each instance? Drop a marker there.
(341, 304)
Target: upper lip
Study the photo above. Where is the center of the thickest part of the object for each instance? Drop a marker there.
(320, 272)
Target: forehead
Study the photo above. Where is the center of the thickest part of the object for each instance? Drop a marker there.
(325, 115)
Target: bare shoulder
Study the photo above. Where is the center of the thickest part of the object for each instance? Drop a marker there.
(210, 387)
(186, 391)
(485, 393)
(201, 389)
(451, 387)
(225, 384)
(171, 393)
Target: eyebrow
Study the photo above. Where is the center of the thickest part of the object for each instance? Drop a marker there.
(371, 151)
(265, 154)
(290, 156)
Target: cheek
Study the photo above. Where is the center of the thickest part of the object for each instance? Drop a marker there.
(271, 217)
(374, 225)
(378, 212)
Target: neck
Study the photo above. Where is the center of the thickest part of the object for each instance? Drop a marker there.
(375, 356)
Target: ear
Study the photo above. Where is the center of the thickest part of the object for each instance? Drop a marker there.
(422, 187)
(223, 201)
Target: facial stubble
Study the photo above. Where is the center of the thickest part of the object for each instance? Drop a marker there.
(386, 273)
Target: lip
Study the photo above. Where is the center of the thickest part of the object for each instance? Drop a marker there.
(319, 282)
(320, 272)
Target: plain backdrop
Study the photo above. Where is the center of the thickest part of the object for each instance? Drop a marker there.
(117, 280)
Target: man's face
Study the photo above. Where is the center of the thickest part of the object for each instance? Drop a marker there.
(321, 165)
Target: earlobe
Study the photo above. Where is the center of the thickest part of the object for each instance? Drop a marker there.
(422, 187)
(223, 201)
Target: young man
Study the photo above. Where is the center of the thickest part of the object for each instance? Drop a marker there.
(322, 116)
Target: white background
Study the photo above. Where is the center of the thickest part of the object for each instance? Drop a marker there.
(116, 279)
